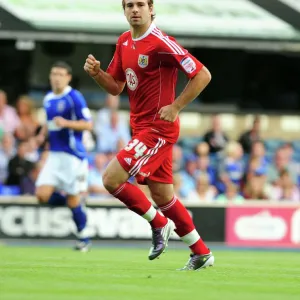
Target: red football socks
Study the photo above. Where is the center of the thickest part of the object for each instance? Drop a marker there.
(185, 227)
(136, 201)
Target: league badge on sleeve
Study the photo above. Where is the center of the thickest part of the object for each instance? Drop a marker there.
(188, 65)
(143, 60)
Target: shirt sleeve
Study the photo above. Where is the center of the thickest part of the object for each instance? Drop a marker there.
(115, 67)
(82, 112)
(173, 53)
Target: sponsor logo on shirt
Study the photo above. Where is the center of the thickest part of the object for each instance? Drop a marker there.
(188, 65)
(143, 60)
(131, 78)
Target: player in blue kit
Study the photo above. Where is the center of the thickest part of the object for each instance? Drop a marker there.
(66, 167)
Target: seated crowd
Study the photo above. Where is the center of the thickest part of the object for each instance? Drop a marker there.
(215, 169)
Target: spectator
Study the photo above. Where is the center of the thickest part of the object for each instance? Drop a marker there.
(231, 169)
(258, 161)
(88, 140)
(216, 138)
(7, 151)
(120, 145)
(26, 112)
(188, 175)
(108, 136)
(294, 166)
(256, 186)
(9, 120)
(204, 167)
(281, 163)
(18, 166)
(231, 195)
(177, 159)
(289, 151)
(204, 192)
(177, 184)
(202, 149)
(96, 187)
(285, 189)
(32, 150)
(249, 137)
(103, 116)
(27, 184)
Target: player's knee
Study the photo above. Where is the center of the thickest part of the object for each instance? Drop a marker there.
(42, 197)
(109, 181)
(157, 195)
(160, 197)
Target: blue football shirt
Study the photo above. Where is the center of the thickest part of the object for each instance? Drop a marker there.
(70, 105)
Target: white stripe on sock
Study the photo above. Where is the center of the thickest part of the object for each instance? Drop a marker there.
(150, 214)
(169, 205)
(84, 233)
(191, 238)
(118, 191)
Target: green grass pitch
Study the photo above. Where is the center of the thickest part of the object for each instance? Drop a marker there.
(30, 273)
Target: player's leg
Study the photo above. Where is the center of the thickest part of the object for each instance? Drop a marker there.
(163, 195)
(47, 182)
(115, 181)
(141, 158)
(80, 219)
(44, 193)
(74, 183)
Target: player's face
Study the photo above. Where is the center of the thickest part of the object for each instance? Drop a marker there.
(59, 79)
(138, 12)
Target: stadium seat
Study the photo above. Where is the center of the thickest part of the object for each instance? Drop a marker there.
(9, 190)
(190, 142)
(269, 156)
(296, 156)
(273, 144)
(187, 153)
(296, 145)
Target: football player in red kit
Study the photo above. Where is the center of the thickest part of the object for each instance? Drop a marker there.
(147, 61)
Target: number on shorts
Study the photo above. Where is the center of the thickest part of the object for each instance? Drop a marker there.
(139, 149)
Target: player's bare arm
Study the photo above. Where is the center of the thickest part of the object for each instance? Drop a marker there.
(77, 125)
(195, 86)
(103, 79)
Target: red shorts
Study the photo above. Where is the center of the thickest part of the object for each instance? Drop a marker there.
(148, 155)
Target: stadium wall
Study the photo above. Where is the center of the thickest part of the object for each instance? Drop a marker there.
(252, 224)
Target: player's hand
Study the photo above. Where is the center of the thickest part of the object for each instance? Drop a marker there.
(169, 113)
(92, 66)
(60, 122)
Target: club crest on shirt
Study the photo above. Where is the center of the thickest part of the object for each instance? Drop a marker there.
(143, 60)
(61, 106)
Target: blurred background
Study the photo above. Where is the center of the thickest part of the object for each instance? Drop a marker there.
(237, 162)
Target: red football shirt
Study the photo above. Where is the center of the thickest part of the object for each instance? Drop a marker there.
(149, 65)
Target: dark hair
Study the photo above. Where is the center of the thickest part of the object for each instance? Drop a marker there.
(63, 65)
(150, 3)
